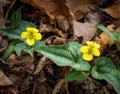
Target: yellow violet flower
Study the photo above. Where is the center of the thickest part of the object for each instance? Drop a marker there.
(31, 34)
(90, 50)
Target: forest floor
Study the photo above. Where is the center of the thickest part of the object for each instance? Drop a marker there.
(27, 75)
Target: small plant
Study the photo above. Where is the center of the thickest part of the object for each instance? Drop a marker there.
(114, 35)
(26, 38)
(31, 34)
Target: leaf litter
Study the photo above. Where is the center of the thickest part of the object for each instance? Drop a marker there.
(60, 22)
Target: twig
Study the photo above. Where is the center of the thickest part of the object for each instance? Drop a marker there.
(6, 16)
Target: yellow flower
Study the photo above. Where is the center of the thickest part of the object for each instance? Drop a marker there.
(31, 34)
(90, 50)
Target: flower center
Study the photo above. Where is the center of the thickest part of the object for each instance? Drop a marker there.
(31, 35)
(90, 50)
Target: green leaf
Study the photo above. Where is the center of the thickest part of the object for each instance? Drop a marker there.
(26, 48)
(74, 49)
(114, 35)
(14, 33)
(105, 30)
(65, 55)
(79, 64)
(10, 49)
(19, 47)
(16, 26)
(16, 18)
(76, 75)
(59, 54)
(117, 42)
(105, 69)
(117, 35)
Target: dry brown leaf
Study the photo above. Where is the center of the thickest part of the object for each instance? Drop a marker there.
(41, 64)
(6, 86)
(118, 29)
(58, 87)
(47, 28)
(21, 65)
(62, 22)
(55, 40)
(63, 11)
(114, 9)
(79, 7)
(10, 89)
(104, 39)
(2, 3)
(87, 29)
(53, 8)
(4, 79)
(41, 88)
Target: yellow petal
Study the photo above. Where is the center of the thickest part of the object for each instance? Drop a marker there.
(84, 49)
(95, 52)
(87, 57)
(24, 35)
(89, 43)
(37, 36)
(32, 29)
(93, 44)
(30, 41)
(96, 45)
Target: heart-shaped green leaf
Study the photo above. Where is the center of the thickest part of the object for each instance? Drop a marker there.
(65, 55)
(26, 48)
(76, 75)
(16, 18)
(105, 69)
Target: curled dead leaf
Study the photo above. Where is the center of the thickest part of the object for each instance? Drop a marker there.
(55, 40)
(58, 87)
(41, 64)
(104, 40)
(114, 9)
(64, 11)
(21, 65)
(53, 8)
(6, 86)
(62, 22)
(47, 28)
(79, 7)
